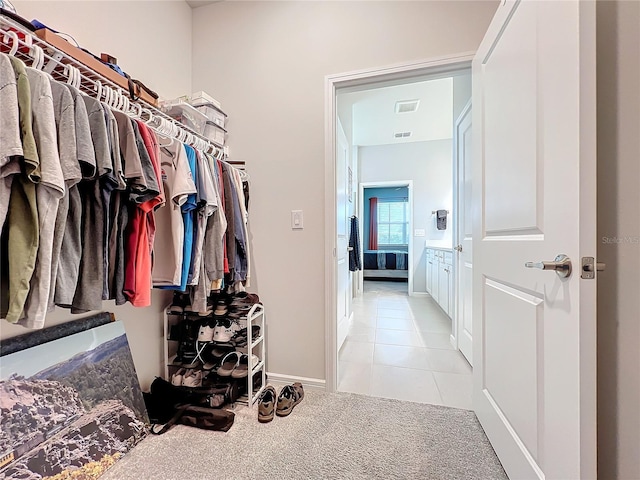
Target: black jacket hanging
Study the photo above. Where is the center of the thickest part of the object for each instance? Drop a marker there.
(354, 246)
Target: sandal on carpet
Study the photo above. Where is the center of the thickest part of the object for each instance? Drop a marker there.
(266, 404)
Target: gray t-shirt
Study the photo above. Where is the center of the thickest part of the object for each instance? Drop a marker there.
(84, 143)
(71, 251)
(148, 174)
(10, 144)
(64, 112)
(114, 143)
(48, 193)
(99, 135)
(132, 165)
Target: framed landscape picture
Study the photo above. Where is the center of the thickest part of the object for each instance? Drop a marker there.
(71, 407)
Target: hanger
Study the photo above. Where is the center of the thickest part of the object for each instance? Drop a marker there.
(149, 120)
(127, 103)
(112, 97)
(244, 176)
(14, 42)
(77, 78)
(69, 74)
(107, 95)
(98, 88)
(38, 57)
(136, 109)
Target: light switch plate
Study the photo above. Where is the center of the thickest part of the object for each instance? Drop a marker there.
(297, 220)
(419, 232)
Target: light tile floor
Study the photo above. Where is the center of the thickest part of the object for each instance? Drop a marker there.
(398, 347)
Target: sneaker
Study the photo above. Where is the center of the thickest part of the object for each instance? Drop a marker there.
(236, 327)
(223, 331)
(205, 333)
(192, 379)
(177, 378)
(289, 397)
(266, 404)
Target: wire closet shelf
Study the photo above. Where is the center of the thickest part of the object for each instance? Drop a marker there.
(62, 67)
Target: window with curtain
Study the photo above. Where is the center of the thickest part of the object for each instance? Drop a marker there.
(393, 222)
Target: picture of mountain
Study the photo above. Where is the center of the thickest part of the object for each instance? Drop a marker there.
(69, 405)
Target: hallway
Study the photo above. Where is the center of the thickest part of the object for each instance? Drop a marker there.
(398, 347)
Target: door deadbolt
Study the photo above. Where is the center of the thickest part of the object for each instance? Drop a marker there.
(590, 267)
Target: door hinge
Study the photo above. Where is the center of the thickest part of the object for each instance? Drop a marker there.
(590, 266)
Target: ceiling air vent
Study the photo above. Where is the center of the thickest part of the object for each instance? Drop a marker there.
(407, 106)
(402, 134)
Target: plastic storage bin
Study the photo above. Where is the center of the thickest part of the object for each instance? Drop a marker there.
(215, 133)
(202, 97)
(186, 114)
(213, 113)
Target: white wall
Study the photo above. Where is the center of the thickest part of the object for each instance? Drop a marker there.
(266, 63)
(157, 51)
(618, 51)
(428, 164)
(150, 38)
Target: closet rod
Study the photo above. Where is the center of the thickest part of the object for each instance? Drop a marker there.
(91, 82)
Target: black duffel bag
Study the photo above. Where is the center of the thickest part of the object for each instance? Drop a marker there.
(200, 417)
(168, 404)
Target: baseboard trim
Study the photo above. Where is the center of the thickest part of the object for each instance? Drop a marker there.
(420, 294)
(279, 379)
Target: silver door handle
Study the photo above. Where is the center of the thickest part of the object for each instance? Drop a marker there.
(561, 265)
(458, 248)
(349, 249)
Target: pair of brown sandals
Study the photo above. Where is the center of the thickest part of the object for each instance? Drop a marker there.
(282, 405)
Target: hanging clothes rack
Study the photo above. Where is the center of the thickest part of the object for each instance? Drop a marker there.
(28, 47)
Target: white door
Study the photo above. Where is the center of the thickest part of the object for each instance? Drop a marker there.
(342, 229)
(463, 253)
(534, 198)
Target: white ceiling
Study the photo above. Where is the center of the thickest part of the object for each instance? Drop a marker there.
(369, 117)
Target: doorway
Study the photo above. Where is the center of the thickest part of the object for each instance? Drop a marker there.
(400, 342)
(386, 210)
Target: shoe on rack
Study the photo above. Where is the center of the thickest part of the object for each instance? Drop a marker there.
(246, 298)
(223, 331)
(213, 354)
(289, 397)
(205, 332)
(178, 377)
(266, 404)
(221, 308)
(178, 303)
(228, 364)
(207, 312)
(242, 369)
(193, 378)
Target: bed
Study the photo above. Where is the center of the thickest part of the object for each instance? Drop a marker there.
(385, 264)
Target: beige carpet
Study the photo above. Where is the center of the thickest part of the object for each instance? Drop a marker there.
(327, 436)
